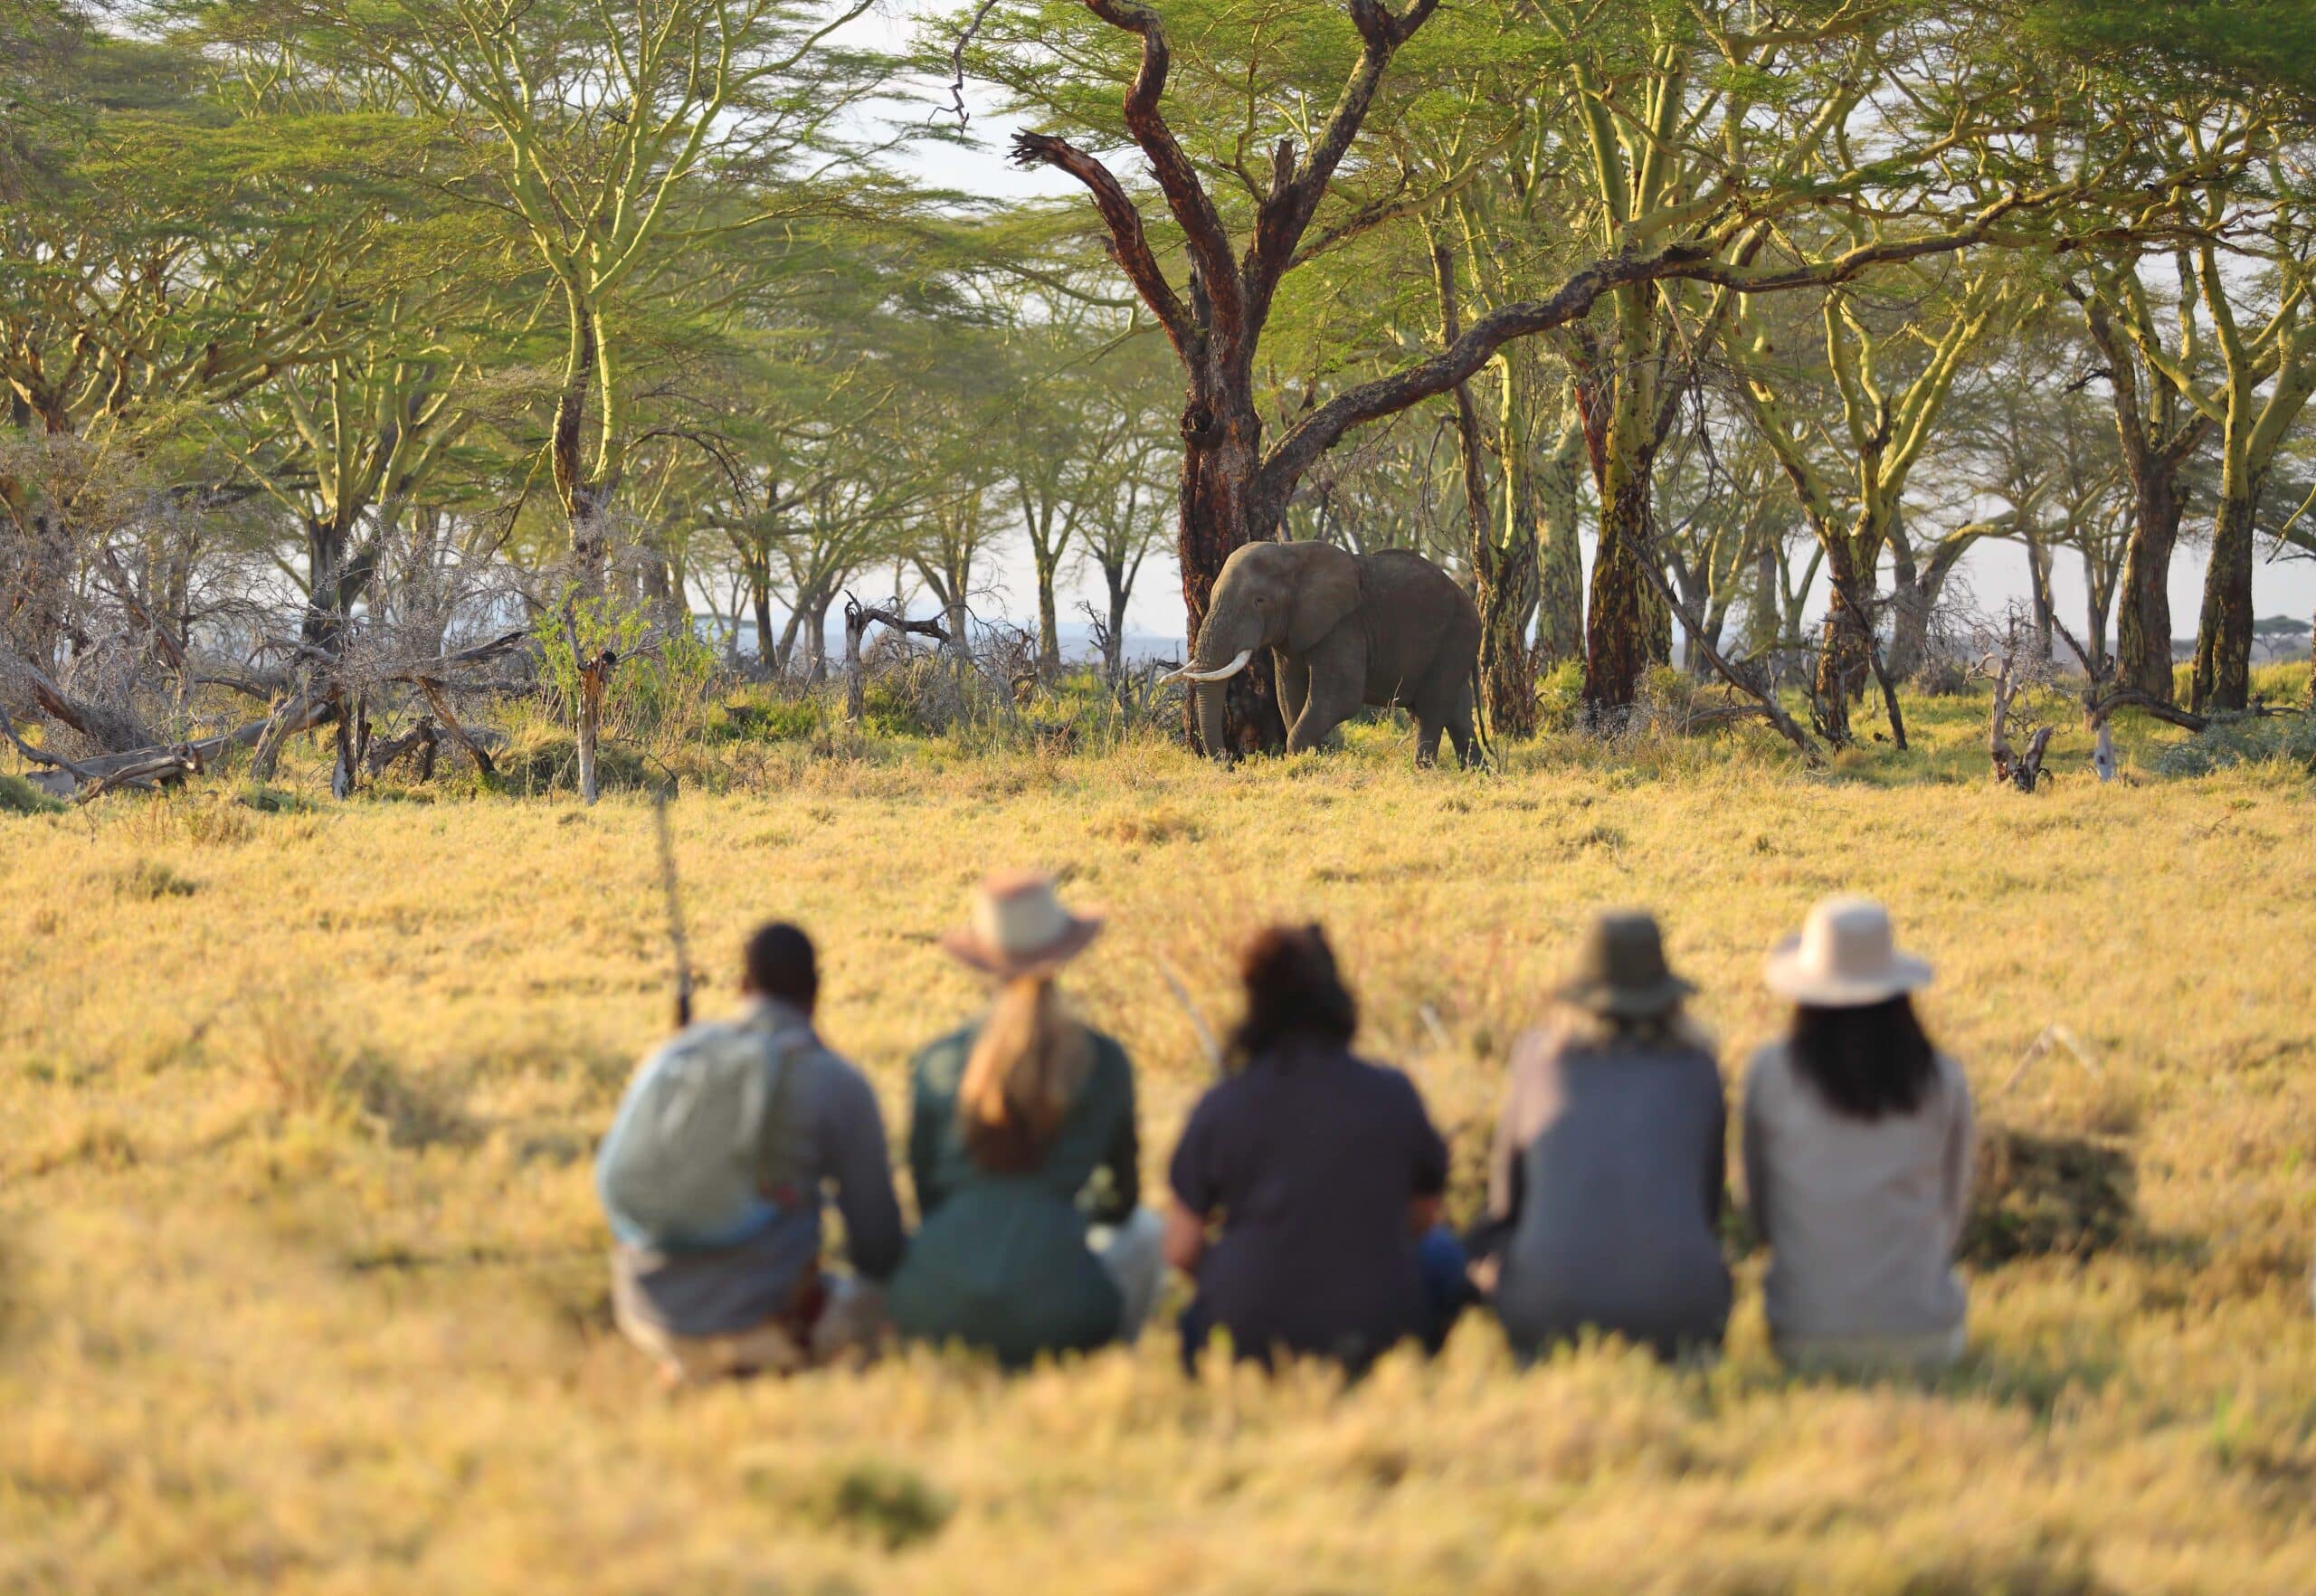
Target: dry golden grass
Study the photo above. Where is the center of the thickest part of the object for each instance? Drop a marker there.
(300, 1276)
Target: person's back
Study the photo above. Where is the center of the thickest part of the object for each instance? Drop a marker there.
(712, 1178)
(1324, 1175)
(1000, 1260)
(1617, 1150)
(1861, 1215)
(1859, 1142)
(1023, 1143)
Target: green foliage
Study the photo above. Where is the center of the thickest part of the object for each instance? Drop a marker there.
(659, 680)
(149, 880)
(1560, 697)
(19, 797)
(2243, 740)
(767, 721)
(2228, 43)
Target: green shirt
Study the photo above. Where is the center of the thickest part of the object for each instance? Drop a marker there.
(999, 1261)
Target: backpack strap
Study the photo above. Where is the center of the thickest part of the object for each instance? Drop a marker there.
(783, 1040)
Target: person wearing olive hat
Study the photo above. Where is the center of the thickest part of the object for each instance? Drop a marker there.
(1606, 1182)
(1859, 1139)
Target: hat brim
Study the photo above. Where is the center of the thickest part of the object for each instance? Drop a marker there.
(970, 951)
(1789, 977)
(1626, 1002)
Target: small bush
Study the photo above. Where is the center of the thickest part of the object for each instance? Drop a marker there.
(151, 880)
(2243, 740)
(544, 757)
(1560, 697)
(2035, 1196)
(889, 1505)
(779, 720)
(1940, 678)
(19, 797)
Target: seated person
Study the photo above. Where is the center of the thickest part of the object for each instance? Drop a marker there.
(1322, 1174)
(712, 1177)
(1858, 1141)
(1023, 1143)
(1606, 1180)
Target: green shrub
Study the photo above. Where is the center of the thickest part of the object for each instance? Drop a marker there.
(1560, 697)
(659, 686)
(2243, 740)
(150, 880)
(544, 757)
(777, 720)
(19, 797)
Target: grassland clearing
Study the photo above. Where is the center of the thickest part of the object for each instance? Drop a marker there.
(301, 1284)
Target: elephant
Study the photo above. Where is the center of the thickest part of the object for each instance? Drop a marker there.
(1343, 630)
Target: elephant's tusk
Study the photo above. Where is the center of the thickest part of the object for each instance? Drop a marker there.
(1224, 674)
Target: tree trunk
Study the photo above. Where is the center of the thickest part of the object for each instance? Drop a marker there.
(759, 606)
(1048, 622)
(2223, 676)
(816, 639)
(1559, 554)
(2143, 613)
(1503, 568)
(1620, 642)
(1842, 663)
(1120, 586)
(1222, 453)
(1629, 627)
(2038, 584)
(2098, 604)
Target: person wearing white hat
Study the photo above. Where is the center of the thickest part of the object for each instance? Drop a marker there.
(1023, 1143)
(1858, 1146)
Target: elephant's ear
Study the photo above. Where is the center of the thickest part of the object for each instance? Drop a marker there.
(1325, 596)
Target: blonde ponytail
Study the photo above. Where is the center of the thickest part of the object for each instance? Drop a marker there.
(1025, 1070)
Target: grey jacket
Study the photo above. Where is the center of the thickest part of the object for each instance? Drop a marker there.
(841, 1139)
(1861, 1216)
(1605, 1192)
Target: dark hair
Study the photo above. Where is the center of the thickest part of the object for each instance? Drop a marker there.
(1293, 989)
(780, 965)
(1865, 1062)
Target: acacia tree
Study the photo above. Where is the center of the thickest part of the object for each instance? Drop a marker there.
(1719, 231)
(1891, 379)
(593, 123)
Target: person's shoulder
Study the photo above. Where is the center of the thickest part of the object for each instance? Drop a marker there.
(698, 1039)
(945, 1054)
(1952, 1077)
(1770, 1068)
(1109, 1053)
(1388, 1082)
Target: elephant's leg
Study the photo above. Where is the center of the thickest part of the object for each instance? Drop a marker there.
(1330, 703)
(1461, 732)
(1428, 728)
(1334, 678)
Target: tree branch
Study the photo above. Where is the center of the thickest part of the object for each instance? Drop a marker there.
(1129, 244)
(1186, 196)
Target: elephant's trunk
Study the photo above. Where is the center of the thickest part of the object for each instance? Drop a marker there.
(1211, 731)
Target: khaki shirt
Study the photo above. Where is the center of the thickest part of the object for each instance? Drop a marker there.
(1861, 1216)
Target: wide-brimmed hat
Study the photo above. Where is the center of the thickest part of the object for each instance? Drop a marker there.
(1017, 927)
(1844, 958)
(1620, 969)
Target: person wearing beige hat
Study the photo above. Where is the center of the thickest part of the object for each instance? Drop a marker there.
(1606, 1180)
(1022, 1143)
(1857, 1147)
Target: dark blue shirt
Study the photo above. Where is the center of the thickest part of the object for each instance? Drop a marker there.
(1310, 1158)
